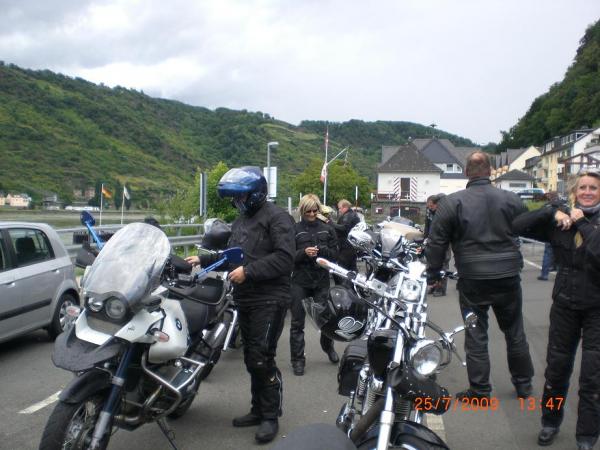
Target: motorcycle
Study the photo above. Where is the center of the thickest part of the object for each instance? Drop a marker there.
(389, 372)
(148, 334)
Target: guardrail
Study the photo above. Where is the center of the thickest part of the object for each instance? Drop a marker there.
(177, 240)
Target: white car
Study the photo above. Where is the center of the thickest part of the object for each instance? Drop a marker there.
(37, 280)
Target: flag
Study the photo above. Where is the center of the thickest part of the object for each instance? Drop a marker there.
(106, 192)
(324, 169)
(324, 172)
(126, 193)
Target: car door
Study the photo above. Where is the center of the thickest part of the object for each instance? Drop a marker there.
(10, 302)
(37, 275)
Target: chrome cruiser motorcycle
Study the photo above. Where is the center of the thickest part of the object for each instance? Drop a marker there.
(388, 371)
(148, 334)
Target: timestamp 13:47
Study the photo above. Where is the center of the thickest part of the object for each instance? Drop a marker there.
(533, 404)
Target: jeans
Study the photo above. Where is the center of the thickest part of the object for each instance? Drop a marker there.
(547, 261)
(504, 296)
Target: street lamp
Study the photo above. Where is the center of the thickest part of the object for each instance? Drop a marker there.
(273, 144)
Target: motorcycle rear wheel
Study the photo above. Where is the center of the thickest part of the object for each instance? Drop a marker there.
(71, 425)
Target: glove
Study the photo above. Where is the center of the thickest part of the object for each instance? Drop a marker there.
(433, 276)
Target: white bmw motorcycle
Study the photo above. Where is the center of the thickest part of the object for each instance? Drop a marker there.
(148, 334)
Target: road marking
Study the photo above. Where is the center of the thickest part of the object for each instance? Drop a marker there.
(436, 424)
(537, 266)
(33, 408)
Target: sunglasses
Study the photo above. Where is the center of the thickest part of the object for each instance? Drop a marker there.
(313, 211)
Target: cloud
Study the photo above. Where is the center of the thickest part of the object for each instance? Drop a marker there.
(471, 67)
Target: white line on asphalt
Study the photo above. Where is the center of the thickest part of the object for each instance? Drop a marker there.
(40, 405)
(537, 266)
(436, 424)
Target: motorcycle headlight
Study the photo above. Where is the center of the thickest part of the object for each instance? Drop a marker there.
(116, 308)
(410, 290)
(426, 356)
(95, 304)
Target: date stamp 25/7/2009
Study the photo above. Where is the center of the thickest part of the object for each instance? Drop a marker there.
(484, 404)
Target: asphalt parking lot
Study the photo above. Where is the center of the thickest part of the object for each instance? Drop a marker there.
(29, 383)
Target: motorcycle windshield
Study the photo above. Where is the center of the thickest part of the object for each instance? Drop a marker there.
(129, 265)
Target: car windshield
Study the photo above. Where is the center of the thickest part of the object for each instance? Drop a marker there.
(130, 264)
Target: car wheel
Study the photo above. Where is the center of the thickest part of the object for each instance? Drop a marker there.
(59, 319)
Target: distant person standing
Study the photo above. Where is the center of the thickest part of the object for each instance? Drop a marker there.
(439, 289)
(313, 239)
(347, 219)
(477, 221)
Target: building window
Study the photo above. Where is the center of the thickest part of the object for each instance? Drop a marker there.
(378, 210)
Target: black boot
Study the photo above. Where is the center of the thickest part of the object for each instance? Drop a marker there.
(267, 431)
(547, 435)
(298, 368)
(249, 420)
(332, 355)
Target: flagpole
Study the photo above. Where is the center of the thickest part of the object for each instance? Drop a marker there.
(122, 205)
(326, 168)
(101, 195)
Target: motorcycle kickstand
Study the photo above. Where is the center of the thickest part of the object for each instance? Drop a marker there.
(169, 433)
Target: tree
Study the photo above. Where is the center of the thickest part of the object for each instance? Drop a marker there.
(186, 202)
(341, 182)
(216, 206)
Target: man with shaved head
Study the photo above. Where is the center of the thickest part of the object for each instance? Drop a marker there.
(477, 223)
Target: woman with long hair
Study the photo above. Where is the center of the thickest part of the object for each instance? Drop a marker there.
(574, 234)
(313, 238)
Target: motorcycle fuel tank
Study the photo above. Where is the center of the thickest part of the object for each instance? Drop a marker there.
(175, 326)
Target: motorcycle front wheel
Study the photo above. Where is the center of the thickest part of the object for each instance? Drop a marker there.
(405, 442)
(71, 425)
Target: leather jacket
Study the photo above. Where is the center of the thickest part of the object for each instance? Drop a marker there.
(577, 284)
(267, 239)
(477, 221)
(308, 234)
(345, 223)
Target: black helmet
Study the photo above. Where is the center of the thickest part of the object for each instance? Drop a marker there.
(246, 185)
(216, 234)
(341, 315)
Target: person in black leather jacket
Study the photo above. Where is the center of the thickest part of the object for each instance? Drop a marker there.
(313, 239)
(265, 232)
(346, 221)
(477, 221)
(575, 313)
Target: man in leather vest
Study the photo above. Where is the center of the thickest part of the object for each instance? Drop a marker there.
(477, 222)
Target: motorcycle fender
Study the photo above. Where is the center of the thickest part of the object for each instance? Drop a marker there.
(418, 430)
(85, 385)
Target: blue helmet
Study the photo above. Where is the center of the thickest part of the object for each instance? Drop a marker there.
(246, 185)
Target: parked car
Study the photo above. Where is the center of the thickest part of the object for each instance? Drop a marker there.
(37, 280)
(536, 194)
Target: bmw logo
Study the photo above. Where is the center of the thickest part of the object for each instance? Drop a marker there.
(178, 324)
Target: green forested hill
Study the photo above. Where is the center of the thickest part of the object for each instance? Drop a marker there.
(58, 133)
(573, 103)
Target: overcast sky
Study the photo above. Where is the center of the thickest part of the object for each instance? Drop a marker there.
(473, 67)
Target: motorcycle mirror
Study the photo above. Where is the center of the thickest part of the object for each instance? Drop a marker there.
(87, 218)
(234, 255)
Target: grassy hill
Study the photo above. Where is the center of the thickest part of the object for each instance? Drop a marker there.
(58, 133)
